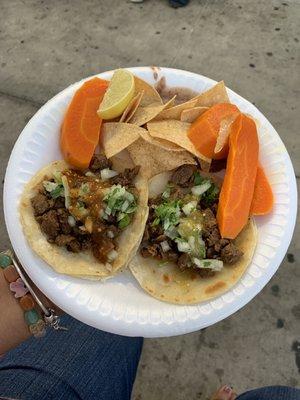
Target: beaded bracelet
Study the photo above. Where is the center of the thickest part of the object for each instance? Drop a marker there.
(32, 317)
(28, 300)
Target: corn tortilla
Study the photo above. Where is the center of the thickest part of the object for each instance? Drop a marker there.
(81, 264)
(168, 283)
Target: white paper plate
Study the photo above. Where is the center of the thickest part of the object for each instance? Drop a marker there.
(119, 305)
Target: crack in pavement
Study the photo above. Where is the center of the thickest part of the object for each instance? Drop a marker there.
(21, 98)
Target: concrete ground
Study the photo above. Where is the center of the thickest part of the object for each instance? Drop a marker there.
(254, 47)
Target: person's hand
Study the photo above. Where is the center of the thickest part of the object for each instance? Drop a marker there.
(224, 393)
(13, 328)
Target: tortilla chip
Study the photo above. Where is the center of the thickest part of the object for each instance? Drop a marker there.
(164, 144)
(117, 136)
(150, 93)
(191, 114)
(175, 132)
(146, 113)
(175, 112)
(217, 94)
(170, 103)
(154, 159)
(205, 165)
(122, 161)
(132, 107)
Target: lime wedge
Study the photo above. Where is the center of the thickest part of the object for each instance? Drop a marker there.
(118, 95)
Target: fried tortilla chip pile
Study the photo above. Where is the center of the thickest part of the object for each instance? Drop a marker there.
(154, 134)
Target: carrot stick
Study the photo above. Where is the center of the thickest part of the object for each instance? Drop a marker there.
(79, 152)
(262, 202)
(81, 127)
(238, 186)
(205, 130)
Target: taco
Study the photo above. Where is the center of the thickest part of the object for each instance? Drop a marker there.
(85, 223)
(182, 257)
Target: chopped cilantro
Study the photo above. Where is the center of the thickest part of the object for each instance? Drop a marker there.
(125, 221)
(166, 194)
(59, 191)
(168, 213)
(156, 221)
(206, 264)
(56, 190)
(210, 196)
(120, 202)
(198, 178)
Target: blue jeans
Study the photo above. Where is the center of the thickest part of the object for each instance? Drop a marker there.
(84, 363)
(271, 393)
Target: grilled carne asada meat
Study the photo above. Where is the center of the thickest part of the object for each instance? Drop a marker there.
(91, 221)
(182, 225)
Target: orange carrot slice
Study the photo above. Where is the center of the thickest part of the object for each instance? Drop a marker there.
(81, 127)
(205, 130)
(238, 186)
(79, 151)
(262, 202)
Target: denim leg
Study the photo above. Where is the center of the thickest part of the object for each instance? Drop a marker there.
(271, 393)
(82, 363)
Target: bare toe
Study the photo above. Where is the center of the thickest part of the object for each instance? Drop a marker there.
(224, 393)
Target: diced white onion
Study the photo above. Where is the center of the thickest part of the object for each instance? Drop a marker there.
(191, 242)
(89, 173)
(214, 265)
(129, 196)
(112, 255)
(57, 176)
(107, 173)
(110, 234)
(171, 233)
(125, 205)
(200, 189)
(71, 221)
(49, 186)
(165, 246)
(120, 216)
(201, 242)
(184, 247)
(189, 207)
(107, 210)
(166, 224)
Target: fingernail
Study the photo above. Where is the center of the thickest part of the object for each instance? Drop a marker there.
(227, 389)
